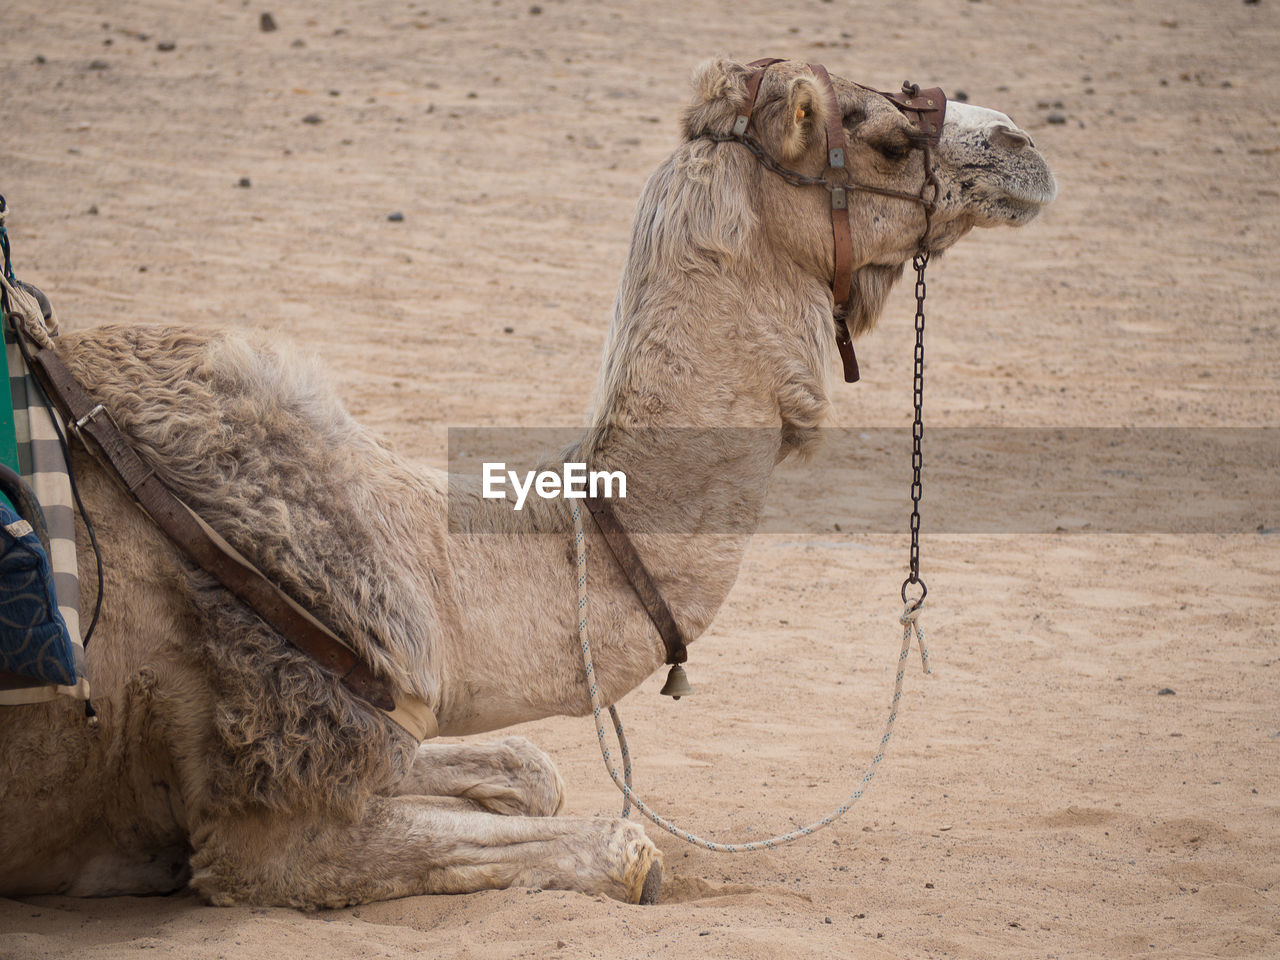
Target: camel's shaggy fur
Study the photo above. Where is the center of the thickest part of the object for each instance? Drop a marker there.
(227, 757)
(256, 443)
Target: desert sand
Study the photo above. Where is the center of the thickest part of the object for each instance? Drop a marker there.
(1041, 797)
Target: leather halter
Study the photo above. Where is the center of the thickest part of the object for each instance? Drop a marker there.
(925, 109)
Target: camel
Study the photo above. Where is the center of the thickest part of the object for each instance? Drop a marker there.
(225, 759)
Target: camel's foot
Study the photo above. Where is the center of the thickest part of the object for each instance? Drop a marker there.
(643, 878)
(612, 857)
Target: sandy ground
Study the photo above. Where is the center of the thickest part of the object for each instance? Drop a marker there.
(1040, 797)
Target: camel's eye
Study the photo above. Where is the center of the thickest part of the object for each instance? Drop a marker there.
(854, 116)
(893, 149)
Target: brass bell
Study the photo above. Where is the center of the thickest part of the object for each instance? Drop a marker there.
(677, 684)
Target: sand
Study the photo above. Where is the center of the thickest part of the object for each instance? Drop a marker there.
(1041, 798)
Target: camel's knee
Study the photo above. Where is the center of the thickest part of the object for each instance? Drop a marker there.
(529, 784)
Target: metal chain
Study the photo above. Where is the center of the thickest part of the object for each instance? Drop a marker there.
(793, 177)
(919, 261)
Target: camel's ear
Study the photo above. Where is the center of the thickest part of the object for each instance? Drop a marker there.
(804, 119)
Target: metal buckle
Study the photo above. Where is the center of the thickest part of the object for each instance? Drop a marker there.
(740, 125)
(89, 417)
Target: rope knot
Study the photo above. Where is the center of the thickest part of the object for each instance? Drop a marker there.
(910, 612)
(908, 620)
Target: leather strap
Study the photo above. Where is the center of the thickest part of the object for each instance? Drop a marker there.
(841, 232)
(926, 109)
(208, 550)
(637, 574)
(743, 119)
(844, 343)
(929, 107)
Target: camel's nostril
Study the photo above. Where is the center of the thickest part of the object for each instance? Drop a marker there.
(1011, 138)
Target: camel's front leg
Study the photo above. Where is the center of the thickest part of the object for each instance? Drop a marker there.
(403, 846)
(508, 776)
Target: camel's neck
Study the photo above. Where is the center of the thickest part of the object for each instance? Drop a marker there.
(696, 439)
(710, 377)
(694, 492)
(697, 447)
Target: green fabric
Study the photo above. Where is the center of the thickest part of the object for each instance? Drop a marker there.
(8, 435)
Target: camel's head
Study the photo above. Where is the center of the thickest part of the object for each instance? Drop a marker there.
(989, 171)
(737, 267)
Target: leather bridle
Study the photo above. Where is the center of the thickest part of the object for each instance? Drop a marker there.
(925, 109)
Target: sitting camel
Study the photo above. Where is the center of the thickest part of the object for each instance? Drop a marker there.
(227, 759)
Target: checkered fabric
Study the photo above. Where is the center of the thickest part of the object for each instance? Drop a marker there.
(43, 466)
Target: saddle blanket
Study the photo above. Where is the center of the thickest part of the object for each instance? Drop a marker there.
(41, 653)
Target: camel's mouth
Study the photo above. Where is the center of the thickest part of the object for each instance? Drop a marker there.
(1012, 204)
(1002, 179)
(1015, 210)
(1035, 194)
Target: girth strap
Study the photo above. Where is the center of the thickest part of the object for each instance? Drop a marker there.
(637, 574)
(209, 551)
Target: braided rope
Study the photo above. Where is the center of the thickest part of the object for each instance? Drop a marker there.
(623, 781)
